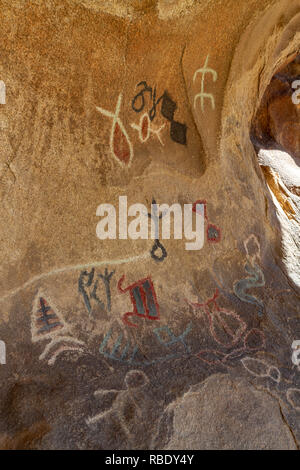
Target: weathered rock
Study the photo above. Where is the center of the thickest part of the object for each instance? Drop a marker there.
(172, 102)
(222, 413)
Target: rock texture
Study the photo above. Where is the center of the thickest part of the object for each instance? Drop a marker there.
(169, 101)
(245, 411)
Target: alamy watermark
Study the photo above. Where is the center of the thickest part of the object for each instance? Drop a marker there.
(296, 353)
(139, 228)
(296, 94)
(2, 92)
(2, 352)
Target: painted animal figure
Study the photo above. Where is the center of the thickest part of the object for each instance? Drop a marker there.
(226, 327)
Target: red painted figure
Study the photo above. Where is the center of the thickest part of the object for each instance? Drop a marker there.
(143, 299)
(226, 327)
(213, 232)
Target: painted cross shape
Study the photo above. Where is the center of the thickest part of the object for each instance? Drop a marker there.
(120, 144)
(202, 95)
(165, 330)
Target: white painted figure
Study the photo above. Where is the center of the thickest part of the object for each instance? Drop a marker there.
(202, 95)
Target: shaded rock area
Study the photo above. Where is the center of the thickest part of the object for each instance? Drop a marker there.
(245, 411)
(142, 343)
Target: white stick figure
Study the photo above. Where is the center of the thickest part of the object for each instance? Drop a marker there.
(204, 70)
(135, 381)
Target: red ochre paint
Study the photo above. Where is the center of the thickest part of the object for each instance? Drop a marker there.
(121, 146)
(145, 128)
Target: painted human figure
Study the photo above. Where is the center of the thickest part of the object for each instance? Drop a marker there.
(132, 397)
(88, 287)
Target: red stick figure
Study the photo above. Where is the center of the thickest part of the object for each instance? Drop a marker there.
(143, 299)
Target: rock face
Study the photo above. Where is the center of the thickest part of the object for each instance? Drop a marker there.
(244, 411)
(106, 343)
